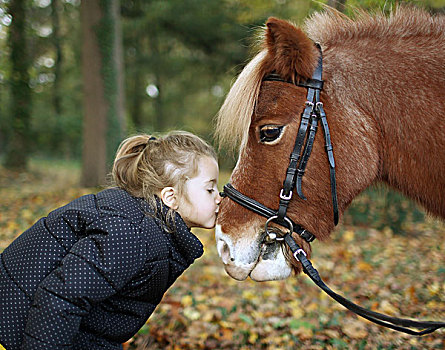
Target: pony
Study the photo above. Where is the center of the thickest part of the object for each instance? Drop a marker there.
(383, 94)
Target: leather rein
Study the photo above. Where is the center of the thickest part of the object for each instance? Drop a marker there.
(312, 114)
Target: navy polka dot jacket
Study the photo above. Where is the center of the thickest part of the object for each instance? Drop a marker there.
(90, 274)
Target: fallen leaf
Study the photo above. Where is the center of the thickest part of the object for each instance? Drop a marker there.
(355, 329)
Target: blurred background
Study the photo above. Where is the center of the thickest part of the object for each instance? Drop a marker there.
(78, 76)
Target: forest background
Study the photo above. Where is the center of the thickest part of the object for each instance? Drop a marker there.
(76, 77)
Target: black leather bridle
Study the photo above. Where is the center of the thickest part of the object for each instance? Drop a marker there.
(312, 114)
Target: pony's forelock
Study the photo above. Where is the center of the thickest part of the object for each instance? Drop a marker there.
(233, 119)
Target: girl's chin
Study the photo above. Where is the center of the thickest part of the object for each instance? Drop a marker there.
(209, 225)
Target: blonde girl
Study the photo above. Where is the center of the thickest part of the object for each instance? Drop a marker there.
(90, 274)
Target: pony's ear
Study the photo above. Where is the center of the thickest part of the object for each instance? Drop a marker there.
(289, 49)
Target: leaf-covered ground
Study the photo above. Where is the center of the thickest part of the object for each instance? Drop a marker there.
(205, 309)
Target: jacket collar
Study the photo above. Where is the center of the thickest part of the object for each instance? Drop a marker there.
(189, 246)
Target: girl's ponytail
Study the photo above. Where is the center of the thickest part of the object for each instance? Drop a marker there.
(126, 168)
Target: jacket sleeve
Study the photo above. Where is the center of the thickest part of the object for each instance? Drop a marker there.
(95, 268)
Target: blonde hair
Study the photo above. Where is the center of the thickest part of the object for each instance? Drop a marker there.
(144, 164)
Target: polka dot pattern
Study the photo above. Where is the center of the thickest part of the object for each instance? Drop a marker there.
(90, 274)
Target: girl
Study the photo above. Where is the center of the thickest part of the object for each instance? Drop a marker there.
(90, 274)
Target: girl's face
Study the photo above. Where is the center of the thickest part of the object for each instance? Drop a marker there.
(200, 207)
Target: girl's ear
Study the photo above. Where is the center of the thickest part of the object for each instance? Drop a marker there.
(169, 197)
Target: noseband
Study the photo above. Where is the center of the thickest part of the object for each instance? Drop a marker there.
(312, 114)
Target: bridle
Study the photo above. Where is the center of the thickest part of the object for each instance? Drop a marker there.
(312, 114)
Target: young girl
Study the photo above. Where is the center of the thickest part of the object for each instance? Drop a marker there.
(90, 274)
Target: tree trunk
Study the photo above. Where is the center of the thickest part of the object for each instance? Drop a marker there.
(17, 148)
(57, 93)
(57, 139)
(119, 59)
(104, 122)
(135, 106)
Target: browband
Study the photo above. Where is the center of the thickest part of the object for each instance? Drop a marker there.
(307, 83)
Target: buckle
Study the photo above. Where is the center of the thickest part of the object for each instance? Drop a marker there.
(286, 198)
(298, 251)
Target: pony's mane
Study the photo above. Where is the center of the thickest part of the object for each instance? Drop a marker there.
(328, 28)
(332, 27)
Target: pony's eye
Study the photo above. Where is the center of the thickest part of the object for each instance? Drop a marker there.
(269, 133)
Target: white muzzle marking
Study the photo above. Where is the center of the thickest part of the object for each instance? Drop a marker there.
(245, 257)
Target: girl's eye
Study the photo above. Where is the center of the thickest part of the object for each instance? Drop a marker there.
(210, 190)
(269, 133)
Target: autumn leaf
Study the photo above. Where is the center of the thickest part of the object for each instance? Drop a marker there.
(355, 329)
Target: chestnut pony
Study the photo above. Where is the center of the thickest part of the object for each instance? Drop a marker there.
(383, 94)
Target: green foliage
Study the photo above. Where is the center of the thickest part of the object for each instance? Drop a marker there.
(190, 50)
(383, 208)
(17, 150)
(184, 56)
(48, 132)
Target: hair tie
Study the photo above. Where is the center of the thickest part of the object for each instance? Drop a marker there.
(146, 143)
(152, 138)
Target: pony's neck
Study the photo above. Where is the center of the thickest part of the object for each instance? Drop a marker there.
(396, 93)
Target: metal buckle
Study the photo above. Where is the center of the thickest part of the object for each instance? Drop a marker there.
(272, 235)
(298, 251)
(286, 198)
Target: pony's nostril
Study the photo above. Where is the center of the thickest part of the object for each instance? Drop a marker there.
(224, 251)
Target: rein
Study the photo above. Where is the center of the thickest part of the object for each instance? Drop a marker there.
(312, 114)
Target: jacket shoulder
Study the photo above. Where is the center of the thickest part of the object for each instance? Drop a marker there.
(118, 202)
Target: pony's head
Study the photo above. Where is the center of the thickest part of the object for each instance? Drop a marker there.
(262, 118)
